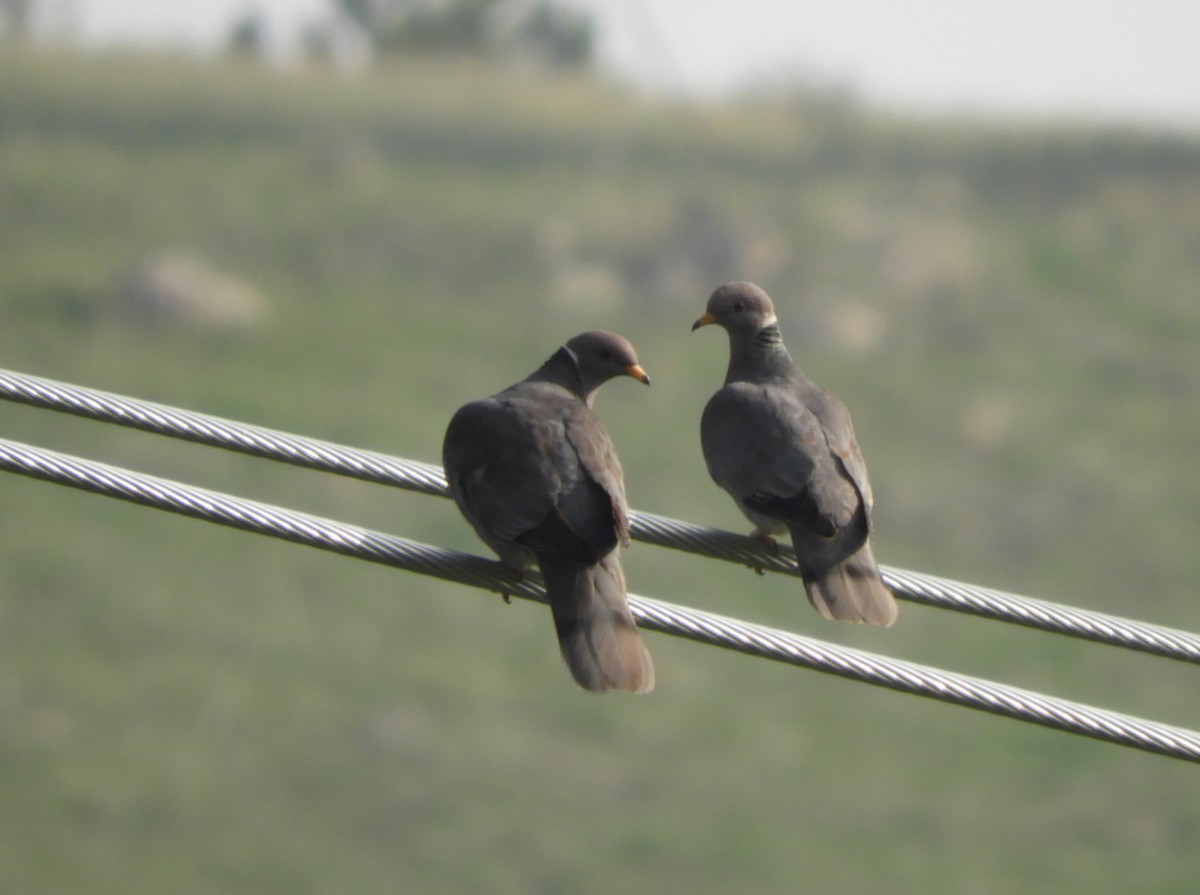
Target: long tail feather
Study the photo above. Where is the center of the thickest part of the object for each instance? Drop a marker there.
(853, 591)
(596, 632)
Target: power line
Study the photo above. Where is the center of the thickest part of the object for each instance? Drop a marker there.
(681, 621)
(662, 531)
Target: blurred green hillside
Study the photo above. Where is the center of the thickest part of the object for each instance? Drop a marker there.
(1012, 313)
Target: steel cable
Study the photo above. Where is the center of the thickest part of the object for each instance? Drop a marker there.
(662, 531)
(717, 630)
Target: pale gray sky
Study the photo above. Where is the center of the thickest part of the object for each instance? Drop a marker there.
(1112, 59)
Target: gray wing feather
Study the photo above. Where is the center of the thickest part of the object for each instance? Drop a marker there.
(534, 466)
(598, 459)
(762, 442)
(839, 434)
(494, 461)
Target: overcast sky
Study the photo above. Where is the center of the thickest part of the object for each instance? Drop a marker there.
(1111, 59)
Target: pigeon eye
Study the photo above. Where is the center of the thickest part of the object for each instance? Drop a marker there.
(738, 307)
(606, 355)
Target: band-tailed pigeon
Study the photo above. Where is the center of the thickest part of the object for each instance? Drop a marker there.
(535, 473)
(785, 451)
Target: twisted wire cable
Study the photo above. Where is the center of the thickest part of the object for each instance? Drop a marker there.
(662, 531)
(215, 431)
(680, 621)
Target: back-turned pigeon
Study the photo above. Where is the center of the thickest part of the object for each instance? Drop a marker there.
(535, 473)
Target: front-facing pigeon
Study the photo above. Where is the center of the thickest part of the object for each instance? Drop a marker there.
(785, 451)
(534, 471)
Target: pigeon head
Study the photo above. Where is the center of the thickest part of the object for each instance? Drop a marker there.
(600, 356)
(738, 308)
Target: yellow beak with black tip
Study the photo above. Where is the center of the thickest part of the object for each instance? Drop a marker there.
(636, 371)
(704, 320)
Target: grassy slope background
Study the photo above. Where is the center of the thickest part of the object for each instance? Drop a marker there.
(1010, 312)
